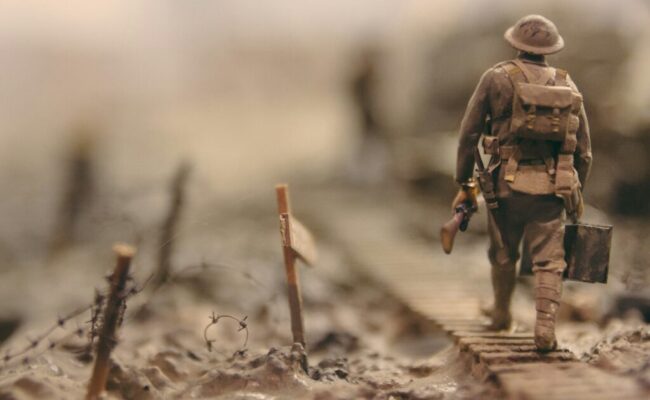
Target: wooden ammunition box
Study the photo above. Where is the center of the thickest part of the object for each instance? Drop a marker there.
(587, 249)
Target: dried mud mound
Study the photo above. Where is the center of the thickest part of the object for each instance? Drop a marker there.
(626, 353)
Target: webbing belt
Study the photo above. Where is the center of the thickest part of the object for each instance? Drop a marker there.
(529, 155)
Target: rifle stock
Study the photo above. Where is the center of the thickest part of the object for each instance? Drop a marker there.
(448, 232)
(458, 222)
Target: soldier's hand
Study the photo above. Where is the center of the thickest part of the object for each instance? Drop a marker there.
(465, 195)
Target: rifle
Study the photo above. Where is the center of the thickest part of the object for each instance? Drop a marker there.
(458, 222)
(486, 183)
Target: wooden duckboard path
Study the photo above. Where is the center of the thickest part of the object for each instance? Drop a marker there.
(440, 289)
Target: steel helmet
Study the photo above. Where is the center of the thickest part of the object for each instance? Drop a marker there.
(535, 34)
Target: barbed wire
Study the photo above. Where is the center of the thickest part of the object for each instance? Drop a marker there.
(91, 331)
(102, 213)
(214, 319)
(34, 343)
(204, 265)
(31, 349)
(196, 270)
(95, 315)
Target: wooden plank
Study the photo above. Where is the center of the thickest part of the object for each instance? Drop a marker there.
(466, 341)
(501, 348)
(457, 335)
(465, 328)
(459, 320)
(505, 357)
(535, 369)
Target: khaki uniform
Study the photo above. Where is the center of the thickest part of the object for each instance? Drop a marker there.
(529, 209)
(537, 134)
(535, 179)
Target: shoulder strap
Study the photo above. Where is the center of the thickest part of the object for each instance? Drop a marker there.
(546, 75)
(524, 70)
(515, 74)
(561, 77)
(519, 72)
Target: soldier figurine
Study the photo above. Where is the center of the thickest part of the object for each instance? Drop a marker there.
(535, 130)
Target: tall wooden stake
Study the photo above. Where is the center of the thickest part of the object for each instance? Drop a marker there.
(79, 187)
(293, 286)
(107, 339)
(168, 231)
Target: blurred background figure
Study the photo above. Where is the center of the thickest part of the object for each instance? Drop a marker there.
(370, 162)
(77, 190)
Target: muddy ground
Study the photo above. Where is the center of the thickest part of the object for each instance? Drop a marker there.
(361, 343)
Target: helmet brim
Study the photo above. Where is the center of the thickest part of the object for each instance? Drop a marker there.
(533, 49)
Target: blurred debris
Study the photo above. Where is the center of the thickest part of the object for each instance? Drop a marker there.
(370, 163)
(635, 300)
(630, 176)
(7, 327)
(280, 370)
(169, 227)
(130, 383)
(364, 91)
(580, 306)
(78, 188)
(336, 342)
(625, 353)
(330, 370)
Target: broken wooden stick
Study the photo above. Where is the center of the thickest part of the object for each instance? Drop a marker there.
(297, 243)
(112, 316)
(168, 231)
(78, 190)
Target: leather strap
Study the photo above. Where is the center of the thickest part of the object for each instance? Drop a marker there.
(520, 64)
(544, 78)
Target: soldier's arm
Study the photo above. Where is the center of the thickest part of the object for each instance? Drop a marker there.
(582, 155)
(472, 127)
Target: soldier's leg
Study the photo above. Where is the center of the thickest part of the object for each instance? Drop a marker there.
(544, 235)
(504, 272)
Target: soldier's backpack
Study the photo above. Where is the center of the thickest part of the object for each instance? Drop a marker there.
(545, 109)
(541, 111)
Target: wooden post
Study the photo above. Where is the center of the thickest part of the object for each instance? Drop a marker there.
(293, 285)
(78, 188)
(107, 339)
(168, 231)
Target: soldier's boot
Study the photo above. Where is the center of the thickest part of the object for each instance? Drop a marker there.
(503, 284)
(548, 290)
